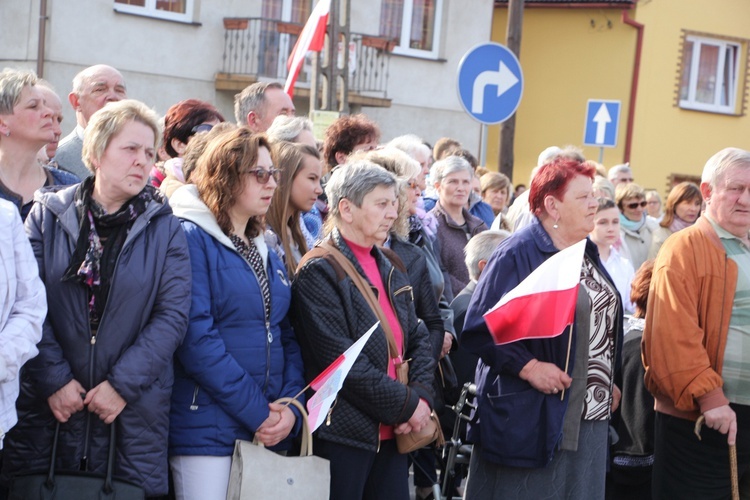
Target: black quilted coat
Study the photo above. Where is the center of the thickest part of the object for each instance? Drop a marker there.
(329, 314)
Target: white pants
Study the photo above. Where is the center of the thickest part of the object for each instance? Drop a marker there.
(200, 477)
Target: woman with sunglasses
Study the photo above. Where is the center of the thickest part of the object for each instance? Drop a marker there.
(181, 123)
(635, 227)
(239, 354)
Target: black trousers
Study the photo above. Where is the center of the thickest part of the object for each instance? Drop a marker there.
(360, 474)
(688, 468)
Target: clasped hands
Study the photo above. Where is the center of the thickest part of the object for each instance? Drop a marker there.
(103, 400)
(417, 421)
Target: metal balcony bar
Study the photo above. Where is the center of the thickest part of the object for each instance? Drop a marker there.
(259, 47)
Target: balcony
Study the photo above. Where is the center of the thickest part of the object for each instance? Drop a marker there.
(257, 49)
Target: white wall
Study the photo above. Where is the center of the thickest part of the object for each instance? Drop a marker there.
(164, 62)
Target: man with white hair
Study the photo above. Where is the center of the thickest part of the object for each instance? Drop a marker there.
(93, 88)
(620, 174)
(695, 342)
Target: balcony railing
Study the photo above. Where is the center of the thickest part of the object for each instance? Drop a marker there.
(260, 47)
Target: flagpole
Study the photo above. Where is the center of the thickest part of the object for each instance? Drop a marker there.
(567, 357)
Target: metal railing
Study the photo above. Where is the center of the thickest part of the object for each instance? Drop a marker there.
(260, 47)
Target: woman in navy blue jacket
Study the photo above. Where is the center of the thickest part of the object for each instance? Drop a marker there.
(239, 354)
(529, 443)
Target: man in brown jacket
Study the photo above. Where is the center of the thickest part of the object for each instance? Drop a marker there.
(693, 350)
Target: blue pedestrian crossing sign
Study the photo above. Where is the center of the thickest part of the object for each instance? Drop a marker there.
(602, 123)
(490, 83)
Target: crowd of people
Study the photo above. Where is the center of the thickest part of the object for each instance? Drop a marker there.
(178, 275)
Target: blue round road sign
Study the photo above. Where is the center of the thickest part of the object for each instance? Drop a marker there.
(490, 83)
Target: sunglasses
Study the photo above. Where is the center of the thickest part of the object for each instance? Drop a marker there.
(203, 127)
(636, 204)
(262, 175)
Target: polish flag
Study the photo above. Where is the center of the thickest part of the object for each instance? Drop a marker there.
(330, 381)
(543, 304)
(311, 39)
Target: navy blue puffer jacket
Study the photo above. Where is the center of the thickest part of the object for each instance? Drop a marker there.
(234, 360)
(144, 321)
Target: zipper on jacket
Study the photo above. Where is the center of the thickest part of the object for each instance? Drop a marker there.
(194, 403)
(269, 335)
(92, 342)
(330, 411)
(87, 434)
(404, 289)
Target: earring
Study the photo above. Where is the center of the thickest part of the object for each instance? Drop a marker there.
(555, 225)
(7, 134)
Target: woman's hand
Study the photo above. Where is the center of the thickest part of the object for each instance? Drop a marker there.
(104, 401)
(616, 396)
(447, 344)
(545, 377)
(277, 426)
(67, 400)
(417, 421)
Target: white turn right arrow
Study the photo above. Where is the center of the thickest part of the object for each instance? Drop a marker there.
(503, 78)
(601, 118)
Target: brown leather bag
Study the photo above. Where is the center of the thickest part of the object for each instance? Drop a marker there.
(432, 432)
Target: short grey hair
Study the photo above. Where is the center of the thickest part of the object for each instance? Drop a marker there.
(480, 247)
(252, 98)
(354, 181)
(447, 166)
(718, 164)
(602, 184)
(12, 83)
(410, 144)
(287, 128)
(617, 169)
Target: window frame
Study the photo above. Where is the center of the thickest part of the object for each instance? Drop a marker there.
(150, 10)
(403, 48)
(690, 102)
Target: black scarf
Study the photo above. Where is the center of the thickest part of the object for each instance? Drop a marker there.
(101, 237)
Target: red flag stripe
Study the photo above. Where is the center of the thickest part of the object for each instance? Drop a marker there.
(311, 38)
(542, 315)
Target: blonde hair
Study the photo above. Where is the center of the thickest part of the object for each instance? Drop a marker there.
(109, 121)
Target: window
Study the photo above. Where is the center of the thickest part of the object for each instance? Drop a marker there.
(709, 78)
(413, 24)
(174, 10)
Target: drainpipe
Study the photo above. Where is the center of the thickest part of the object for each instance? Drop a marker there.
(634, 84)
(42, 37)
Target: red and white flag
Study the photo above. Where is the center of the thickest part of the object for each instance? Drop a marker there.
(311, 39)
(330, 381)
(543, 304)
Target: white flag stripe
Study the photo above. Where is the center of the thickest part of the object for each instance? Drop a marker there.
(319, 404)
(562, 271)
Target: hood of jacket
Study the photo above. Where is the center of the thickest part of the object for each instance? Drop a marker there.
(187, 204)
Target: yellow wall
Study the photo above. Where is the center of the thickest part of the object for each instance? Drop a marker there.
(668, 139)
(566, 61)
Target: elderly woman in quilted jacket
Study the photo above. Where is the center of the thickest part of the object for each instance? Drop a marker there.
(117, 271)
(330, 314)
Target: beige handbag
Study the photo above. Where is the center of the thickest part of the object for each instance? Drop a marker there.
(261, 474)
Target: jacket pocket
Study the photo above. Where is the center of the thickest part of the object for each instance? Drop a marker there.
(405, 289)
(513, 428)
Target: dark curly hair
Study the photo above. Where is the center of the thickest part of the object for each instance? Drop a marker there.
(220, 174)
(182, 118)
(344, 134)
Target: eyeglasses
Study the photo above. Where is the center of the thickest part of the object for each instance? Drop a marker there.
(262, 175)
(412, 184)
(203, 127)
(636, 204)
